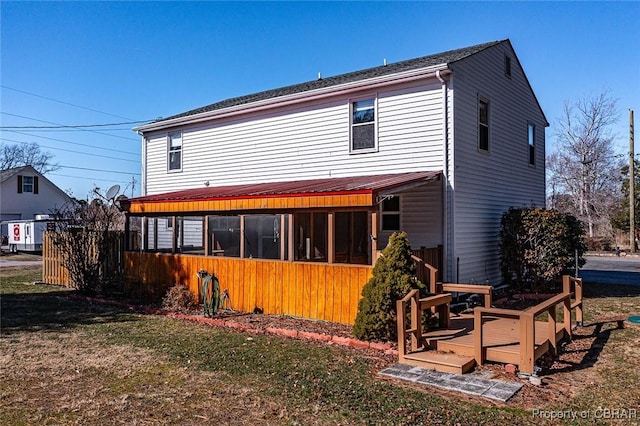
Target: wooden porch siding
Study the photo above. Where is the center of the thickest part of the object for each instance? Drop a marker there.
(254, 203)
(322, 291)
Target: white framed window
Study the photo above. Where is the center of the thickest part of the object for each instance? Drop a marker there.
(483, 125)
(390, 213)
(174, 151)
(531, 136)
(363, 131)
(27, 183)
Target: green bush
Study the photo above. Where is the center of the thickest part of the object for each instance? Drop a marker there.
(538, 245)
(393, 277)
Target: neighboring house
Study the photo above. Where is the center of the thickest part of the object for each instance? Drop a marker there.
(321, 173)
(25, 193)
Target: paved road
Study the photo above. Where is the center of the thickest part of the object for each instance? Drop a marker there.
(611, 270)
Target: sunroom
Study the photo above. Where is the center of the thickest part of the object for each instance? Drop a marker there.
(302, 248)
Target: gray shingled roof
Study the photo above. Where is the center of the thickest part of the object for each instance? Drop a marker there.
(9, 173)
(393, 68)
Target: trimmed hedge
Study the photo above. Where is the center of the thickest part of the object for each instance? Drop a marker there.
(538, 245)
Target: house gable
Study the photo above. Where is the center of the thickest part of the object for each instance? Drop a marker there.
(40, 197)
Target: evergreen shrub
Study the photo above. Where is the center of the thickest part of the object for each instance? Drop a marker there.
(394, 275)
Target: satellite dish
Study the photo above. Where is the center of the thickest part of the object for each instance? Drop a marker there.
(112, 192)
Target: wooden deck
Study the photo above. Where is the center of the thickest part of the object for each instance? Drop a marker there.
(501, 338)
(489, 334)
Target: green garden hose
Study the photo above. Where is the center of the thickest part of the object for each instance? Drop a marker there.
(210, 295)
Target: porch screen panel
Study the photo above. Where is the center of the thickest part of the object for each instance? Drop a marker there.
(310, 235)
(165, 232)
(262, 236)
(190, 237)
(151, 232)
(352, 237)
(224, 235)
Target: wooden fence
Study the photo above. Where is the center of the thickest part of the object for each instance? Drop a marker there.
(322, 291)
(53, 271)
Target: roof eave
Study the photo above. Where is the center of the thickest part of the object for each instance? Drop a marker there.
(370, 83)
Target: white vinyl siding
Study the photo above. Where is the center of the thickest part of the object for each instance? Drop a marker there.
(303, 142)
(421, 210)
(485, 186)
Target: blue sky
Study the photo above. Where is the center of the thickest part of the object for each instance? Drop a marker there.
(129, 61)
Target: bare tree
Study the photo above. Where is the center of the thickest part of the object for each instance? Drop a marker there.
(85, 235)
(584, 169)
(18, 155)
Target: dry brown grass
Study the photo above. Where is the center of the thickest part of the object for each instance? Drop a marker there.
(69, 362)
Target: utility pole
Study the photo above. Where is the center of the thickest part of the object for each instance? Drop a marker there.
(632, 196)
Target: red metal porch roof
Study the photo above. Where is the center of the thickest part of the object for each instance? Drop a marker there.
(358, 185)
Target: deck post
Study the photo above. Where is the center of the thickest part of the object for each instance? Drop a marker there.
(567, 317)
(416, 323)
(487, 300)
(527, 343)
(400, 312)
(477, 331)
(566, 284)
(551, 322)
(579, 318)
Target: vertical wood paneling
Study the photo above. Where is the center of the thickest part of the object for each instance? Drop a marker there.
(308, 290)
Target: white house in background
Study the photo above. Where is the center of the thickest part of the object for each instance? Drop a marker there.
(25, 193)
(441, 145)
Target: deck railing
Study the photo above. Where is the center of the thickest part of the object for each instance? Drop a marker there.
(528, 351)
(570, 299)
(417, 305)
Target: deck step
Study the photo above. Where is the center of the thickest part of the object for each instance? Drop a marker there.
(440, 361)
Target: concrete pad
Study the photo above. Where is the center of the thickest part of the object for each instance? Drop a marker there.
(471, 385)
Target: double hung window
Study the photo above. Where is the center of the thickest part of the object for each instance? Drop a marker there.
(175, 151)
(363, 125)
(531, 135)
(483, 125)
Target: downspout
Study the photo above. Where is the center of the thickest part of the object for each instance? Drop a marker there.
(143, 189)
(445, 180)
(143, 158)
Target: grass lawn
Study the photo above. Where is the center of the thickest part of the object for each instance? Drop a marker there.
(70, 362)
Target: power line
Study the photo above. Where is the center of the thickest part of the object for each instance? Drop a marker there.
(74, 143)
(58, 124)
(62, 102)
(99, 170)
(70, 150)
(88, 178)
(77, 126)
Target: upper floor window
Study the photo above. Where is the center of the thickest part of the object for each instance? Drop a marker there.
(27, 184)
(483, 125)
(363, 125)
(175, 151)
(391, 214)
(531, 134)
(507, 66)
